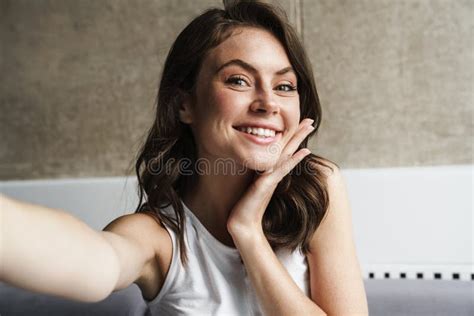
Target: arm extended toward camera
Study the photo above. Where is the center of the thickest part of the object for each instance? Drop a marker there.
(49, 251)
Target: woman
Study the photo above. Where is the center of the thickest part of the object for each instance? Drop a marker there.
(271, 235)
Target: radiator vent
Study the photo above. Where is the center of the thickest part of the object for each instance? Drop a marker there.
(421, 275)
(419, 272)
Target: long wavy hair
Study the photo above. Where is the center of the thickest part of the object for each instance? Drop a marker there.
(300, 200)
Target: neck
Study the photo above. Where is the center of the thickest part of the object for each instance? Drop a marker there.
(213, 198)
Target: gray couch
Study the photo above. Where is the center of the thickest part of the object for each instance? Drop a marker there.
(385, 297)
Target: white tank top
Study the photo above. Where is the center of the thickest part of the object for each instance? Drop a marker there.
(214, 282)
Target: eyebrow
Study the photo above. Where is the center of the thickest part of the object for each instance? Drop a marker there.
(250, 68)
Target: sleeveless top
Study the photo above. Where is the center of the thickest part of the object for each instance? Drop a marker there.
(214, 282)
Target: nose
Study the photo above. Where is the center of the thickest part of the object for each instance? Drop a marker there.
(265, 102)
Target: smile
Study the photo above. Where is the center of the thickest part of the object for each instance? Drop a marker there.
(259, 135)
(258, 131)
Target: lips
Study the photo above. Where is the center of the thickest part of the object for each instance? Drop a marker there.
(262, 132)
(263, 125)
(259, 139)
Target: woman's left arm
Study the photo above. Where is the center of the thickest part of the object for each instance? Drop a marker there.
(277, 293)
(336, 282)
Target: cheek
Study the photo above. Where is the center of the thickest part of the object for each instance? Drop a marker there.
(293, 115)
(217, 111)
(228, 103)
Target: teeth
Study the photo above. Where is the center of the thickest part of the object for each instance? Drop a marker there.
(262, 132)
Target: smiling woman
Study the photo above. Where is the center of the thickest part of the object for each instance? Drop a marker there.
(273, 238)
(245, 91)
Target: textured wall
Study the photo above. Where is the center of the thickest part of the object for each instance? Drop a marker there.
(78, 80)
(395, 79)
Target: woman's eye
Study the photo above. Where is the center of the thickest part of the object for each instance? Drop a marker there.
(238, 81)
(286, 87)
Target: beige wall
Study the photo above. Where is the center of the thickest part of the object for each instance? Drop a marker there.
(78, 80)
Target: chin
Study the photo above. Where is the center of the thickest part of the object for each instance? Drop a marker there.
(260, 163)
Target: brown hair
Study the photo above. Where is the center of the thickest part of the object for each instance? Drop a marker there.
(300, 200)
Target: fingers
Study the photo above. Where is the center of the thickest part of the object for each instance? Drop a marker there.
(289, 164)
(271, 179)
(288, 158)
(303, 131)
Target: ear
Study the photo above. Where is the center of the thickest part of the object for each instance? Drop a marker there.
(185, 110)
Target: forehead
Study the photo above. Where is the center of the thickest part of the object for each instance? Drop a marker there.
(255, 46)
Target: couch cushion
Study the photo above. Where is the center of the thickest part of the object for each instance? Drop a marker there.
(16, 302)
(385, 297)
(419, 297)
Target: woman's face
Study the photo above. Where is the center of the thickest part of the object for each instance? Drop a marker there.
(246, 105)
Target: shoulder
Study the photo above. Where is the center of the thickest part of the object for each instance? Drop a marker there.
(140, 224)
(328, 169)
(327, 177)
(144, 249)
(334, 178)
(143, 228)
(338, 215)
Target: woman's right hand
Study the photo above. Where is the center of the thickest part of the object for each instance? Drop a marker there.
(49, 251)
